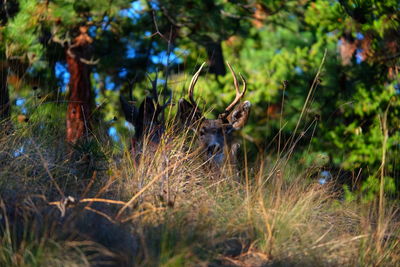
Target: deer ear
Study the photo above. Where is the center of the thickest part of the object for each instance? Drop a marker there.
(238, 117)
(188, 114)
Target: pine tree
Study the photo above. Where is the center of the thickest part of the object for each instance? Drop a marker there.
(207, 23)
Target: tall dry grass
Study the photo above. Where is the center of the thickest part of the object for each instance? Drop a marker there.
(186, 212)
(171, 208)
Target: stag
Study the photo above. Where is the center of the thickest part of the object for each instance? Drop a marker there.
(148, 119)
(216, 136)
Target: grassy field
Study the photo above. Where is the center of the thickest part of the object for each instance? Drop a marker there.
(93, 205)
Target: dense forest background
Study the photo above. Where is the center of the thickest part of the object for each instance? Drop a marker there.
(323, 78)
(340, 56)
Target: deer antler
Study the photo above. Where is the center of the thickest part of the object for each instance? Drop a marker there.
(239, 95)
(193, 83)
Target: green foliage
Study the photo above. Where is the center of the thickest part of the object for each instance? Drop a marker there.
(277, 45)
(42, 120)
(370, 187)
(349, 195)
(365, 84)
(65, 15)
(349, 99)
(22, 33)
(219, 19)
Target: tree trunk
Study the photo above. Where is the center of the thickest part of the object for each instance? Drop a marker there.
(215, 58)
(7, 10)
(4, 96)
(80, 96)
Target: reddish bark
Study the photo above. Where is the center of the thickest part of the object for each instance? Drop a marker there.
(260, 14)
(80, 98)
(347, 49)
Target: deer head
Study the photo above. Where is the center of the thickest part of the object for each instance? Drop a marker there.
(216, 135)
(148, 119)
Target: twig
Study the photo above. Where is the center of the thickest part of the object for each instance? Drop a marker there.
(100, 213)
(102, 200)
(91, 182)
